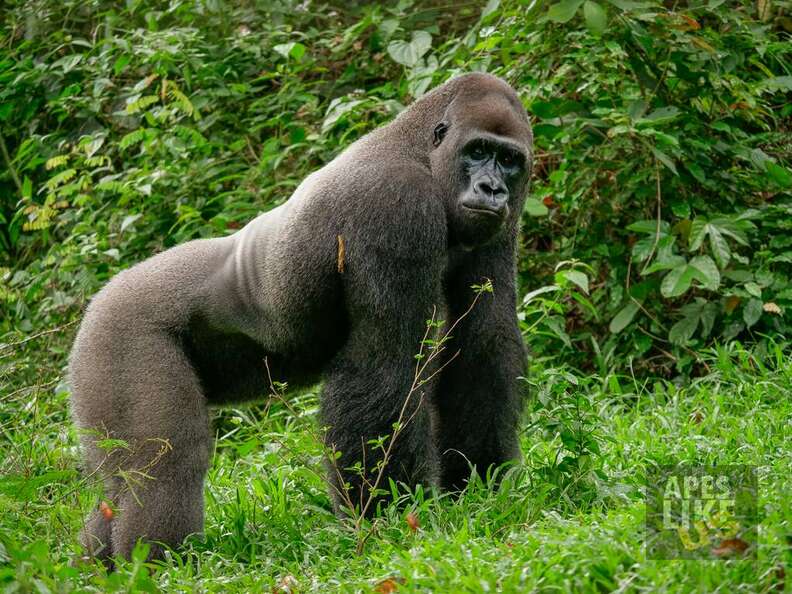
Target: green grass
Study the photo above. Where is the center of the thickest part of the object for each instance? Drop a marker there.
(569, 520)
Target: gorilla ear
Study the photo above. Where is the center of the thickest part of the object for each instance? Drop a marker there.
(439, 133)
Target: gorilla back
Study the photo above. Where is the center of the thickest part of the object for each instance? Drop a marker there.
(425, 207)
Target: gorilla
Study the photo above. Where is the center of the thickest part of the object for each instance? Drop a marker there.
(336, 284)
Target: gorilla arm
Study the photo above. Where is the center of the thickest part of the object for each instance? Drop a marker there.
(392, 282)
(479, 397)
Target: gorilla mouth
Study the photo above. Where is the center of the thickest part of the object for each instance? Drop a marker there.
(490, 212)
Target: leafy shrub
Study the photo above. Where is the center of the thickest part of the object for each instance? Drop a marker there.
(660, 213)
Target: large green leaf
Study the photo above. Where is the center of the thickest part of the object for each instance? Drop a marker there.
(661, 115)
(677, 282)
(698, 231)
(563, 11)
(752, 312)
(665, 160)
(706, 272)
(576, 277)
(780, 175)
(338, 107)
(664, 262)
(720, 247)
(701, 229)
(782, 83)
(734, 228)
(642, 248)
(408, 53)
(292, 49)
(556, 325)
(699, 312)
(535, 207)
(622, 319)
(595, 16)
(708, 314)
(684, 329)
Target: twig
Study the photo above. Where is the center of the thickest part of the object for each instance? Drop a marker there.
(7, 159)
(400, 423)
(424, 361)
(659, 198)
(11, 345)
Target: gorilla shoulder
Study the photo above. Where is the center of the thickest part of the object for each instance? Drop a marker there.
(385, 202)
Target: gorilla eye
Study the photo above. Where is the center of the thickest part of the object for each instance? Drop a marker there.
(508, 160)
(478, 153)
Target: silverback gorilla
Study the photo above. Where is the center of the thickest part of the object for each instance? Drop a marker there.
(427, 206)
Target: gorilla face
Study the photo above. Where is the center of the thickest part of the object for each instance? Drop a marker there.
(491, 170)
(490, 176)
(484, 155)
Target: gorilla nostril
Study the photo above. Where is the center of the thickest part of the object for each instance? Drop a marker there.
(483, 187)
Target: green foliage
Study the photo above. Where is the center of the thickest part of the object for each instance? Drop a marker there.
(663, 157)
(662, 147)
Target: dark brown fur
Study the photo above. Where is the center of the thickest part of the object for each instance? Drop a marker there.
(190, 327)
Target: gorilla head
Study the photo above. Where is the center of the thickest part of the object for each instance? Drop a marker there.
(482, 149)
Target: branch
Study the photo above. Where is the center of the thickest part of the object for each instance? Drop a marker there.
(7, 159)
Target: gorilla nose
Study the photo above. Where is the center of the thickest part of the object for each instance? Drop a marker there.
(489, 188)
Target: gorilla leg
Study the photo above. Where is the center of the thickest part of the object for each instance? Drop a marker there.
(479, 397)
(153, 402)
(165, 511)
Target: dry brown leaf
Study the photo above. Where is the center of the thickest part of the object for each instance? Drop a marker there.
(732, 301)
(287, 585)
(412, 522)
(341, 254)
(107, 511)
(691, 22)
(729, 547)
(772, 308)
(388, 585)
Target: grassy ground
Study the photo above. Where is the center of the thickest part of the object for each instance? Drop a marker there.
(571, 519)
